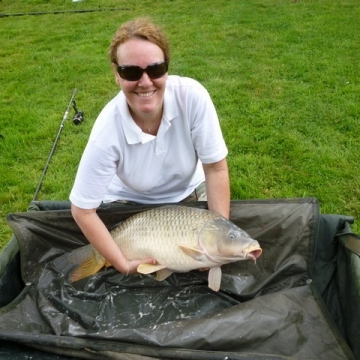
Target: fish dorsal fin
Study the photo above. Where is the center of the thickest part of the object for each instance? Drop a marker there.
(149, 268)
(194, 253)
(215, 278)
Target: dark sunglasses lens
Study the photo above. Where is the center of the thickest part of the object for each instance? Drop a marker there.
(157, 71)
(130, 73)
(134, 73)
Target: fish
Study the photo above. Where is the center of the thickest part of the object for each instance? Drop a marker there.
(179, 238)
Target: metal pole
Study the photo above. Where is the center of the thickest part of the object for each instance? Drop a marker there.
(55, 143)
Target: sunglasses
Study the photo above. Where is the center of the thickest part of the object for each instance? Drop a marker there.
(134, 73)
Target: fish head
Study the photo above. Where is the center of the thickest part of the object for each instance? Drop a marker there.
(226, 242)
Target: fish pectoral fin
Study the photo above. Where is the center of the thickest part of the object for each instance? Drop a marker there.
(149, 268)
(194, 253)
(215, 278)
(163, 274)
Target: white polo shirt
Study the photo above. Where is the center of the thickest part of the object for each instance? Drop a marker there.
(120, 162)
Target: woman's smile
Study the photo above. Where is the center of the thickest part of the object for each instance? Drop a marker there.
(145, 94)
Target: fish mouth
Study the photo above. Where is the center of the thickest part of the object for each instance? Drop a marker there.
(254, 254)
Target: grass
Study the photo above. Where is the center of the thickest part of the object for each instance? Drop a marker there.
(284, 77)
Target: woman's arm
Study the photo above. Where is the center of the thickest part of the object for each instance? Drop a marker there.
(98, 235)
(218, 187)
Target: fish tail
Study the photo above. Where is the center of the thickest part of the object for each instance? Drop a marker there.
(89, 262)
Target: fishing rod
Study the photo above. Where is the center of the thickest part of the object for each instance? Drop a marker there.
(78, 118)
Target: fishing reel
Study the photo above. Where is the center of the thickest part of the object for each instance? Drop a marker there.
(79, 115)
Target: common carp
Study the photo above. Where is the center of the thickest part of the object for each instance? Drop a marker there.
(179, 239)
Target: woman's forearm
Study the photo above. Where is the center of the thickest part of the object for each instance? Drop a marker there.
(99, 236)
(218, 187)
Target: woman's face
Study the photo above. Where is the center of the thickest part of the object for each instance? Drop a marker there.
(144, 96)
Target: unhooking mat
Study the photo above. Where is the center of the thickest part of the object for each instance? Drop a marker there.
(270, 309)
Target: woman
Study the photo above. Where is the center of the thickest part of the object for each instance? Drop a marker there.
(157, 141)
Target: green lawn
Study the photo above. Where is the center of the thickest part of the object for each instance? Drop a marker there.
(284, 76)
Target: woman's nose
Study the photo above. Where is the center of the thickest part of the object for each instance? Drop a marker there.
(145, 80)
